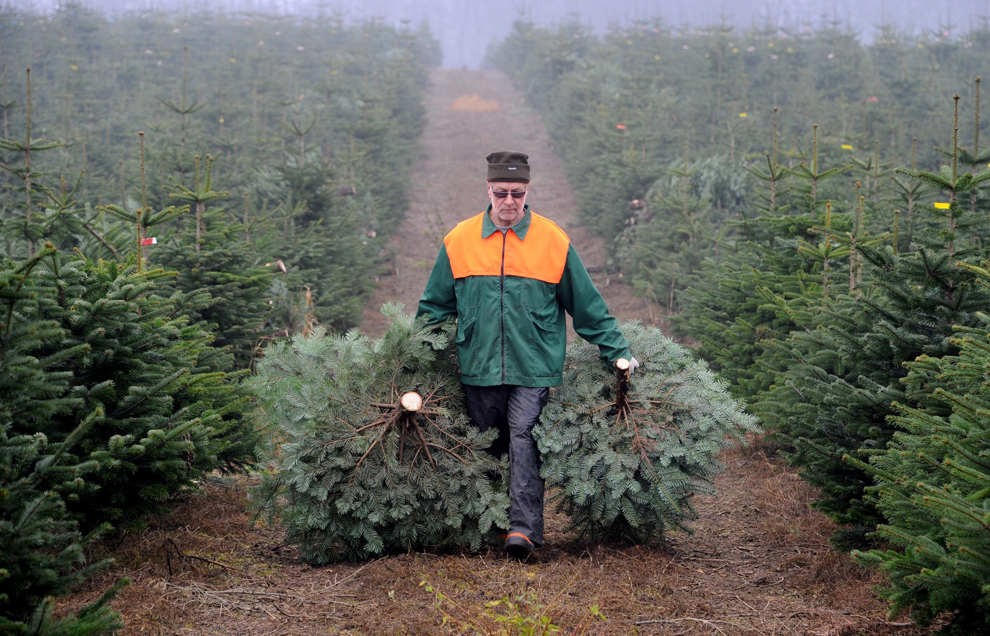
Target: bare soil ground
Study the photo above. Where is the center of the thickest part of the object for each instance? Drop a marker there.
(759, 561)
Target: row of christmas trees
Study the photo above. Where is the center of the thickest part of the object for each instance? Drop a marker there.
(135, 295)
(832, 325)
(846, 301)
(310, 124)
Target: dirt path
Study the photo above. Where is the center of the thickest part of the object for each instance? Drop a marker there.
(449, 186)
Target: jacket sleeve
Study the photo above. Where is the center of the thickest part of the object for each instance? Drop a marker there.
(439, 301)
(582, 300)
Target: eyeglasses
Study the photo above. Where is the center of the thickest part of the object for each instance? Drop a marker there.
(501, 194)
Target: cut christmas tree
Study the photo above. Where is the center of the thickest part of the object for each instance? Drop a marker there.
(370, 450)
(625, 455)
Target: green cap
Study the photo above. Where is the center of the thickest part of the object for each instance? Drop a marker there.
(506, 165)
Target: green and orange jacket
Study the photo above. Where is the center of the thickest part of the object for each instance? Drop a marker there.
(509, 293)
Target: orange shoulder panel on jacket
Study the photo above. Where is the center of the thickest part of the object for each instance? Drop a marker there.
(469, 254)
(542, 256)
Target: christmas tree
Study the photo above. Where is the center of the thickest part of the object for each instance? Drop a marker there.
(677, 225)
(625, 456)
(170, 412)
(369, 448)
(932, 486)
(43, 549)
(763, 285)
(94, 619)
(214, 254)
(322, 238)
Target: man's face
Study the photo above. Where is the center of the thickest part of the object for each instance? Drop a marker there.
(507, 210)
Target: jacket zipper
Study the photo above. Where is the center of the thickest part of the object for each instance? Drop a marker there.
(501, 305)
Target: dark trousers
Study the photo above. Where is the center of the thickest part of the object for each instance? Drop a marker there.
(514, 411)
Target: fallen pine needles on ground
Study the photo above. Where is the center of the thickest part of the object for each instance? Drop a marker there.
(758, 563)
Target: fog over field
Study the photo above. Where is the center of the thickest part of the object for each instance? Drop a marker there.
(467, 27)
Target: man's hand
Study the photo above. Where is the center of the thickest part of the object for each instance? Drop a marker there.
(622, 364)
(633, 364)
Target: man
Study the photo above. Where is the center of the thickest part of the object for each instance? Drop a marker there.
(508, 275)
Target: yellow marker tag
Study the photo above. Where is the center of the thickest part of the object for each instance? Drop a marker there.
(942, 206)
(735, 50)
(846, 147)
(221, 120)
(790, 50)
(233, 59)
(770, 45)
(742, 114)
(656, 57)
(74, 67)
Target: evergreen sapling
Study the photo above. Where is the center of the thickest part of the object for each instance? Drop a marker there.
(932, 483)
(42, 548)
(357, 467)
(624, 457)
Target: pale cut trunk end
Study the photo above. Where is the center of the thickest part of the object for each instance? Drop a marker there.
(411, 401)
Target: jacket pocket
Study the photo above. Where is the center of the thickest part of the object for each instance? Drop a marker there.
(465, 328)
(547, 328)
(547, 347)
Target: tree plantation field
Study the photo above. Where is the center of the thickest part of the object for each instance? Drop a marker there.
(202, 218)
(754, 572)
(743, 571)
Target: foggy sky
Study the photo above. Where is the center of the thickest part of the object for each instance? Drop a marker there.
(466, 27)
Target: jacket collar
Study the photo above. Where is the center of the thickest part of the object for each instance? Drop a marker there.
(488, 227)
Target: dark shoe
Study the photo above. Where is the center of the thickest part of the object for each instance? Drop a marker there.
(496, 539)
(519, 546)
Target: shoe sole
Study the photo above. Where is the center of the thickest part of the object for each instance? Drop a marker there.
(520, 552)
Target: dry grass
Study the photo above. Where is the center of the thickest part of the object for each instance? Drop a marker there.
(473, 104)
(758, 563)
